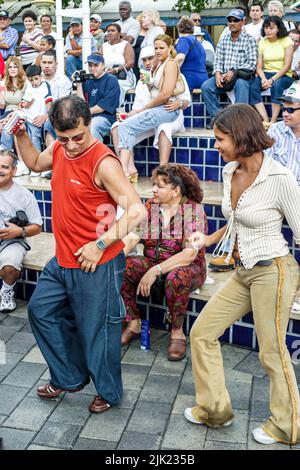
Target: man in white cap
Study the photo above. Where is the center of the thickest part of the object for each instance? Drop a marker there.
(96, 31)
(73, 47)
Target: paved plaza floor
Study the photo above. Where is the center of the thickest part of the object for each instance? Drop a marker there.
(150, 416)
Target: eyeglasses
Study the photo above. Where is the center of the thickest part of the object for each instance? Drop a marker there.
(289, 110)
(233, 20)
(196, 20)
(65, 140)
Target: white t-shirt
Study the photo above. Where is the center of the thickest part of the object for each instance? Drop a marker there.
(130, 27)
(60, 85)
(19, 198)
(254, 30)
(40, 97)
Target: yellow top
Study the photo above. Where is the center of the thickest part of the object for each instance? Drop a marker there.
(273, 54)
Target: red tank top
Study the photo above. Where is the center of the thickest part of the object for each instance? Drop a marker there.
(81, 211)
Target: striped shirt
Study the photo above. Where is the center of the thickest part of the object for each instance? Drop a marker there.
(10, 37)
(257, 220)
(286, 149)
(27, 53)
(239, 54)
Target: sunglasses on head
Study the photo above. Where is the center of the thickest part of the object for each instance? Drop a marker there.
(289, 109)
(233, 20)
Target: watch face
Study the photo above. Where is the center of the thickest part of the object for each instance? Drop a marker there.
(101, 245)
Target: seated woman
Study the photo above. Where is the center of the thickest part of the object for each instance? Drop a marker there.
(163, 134)
(191, 55)
(165, 84)
(275, 54)
(150, 24)
(174, 212)
(119, 59)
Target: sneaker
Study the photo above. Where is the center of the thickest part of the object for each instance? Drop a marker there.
(34, 174)
(188, 414)
(44, 174)
(262, 437)
(22, 169)
(8, 303)
(218, 264)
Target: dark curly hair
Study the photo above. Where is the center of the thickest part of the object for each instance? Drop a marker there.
(29, 14)
(181, 176)
(282, 31)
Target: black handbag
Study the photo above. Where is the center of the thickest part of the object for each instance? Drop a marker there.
(122, 74)
(238, 73)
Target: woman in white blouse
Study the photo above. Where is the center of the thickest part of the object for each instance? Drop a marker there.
(258, 193)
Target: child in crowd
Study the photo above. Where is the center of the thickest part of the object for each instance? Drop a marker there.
(47, 42)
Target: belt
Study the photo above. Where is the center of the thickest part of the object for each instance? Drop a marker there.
(263, 262)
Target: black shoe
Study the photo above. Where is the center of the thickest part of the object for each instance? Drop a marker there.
(49, 175)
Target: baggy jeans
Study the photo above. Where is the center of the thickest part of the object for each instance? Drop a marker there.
(76, 318)
(269, 291)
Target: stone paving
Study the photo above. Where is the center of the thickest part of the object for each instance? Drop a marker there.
(150, 416)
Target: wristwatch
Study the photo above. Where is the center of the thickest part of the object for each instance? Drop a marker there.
(101, 244)
(23, 234)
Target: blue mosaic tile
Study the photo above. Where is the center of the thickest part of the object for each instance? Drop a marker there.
(187, 112)
(47, 195)
(38, 195)
(193, 142)
(297, 256)
(156, 317)
(197, 156)
(208, 209)
(293, 345)
(172, 156)
(198, 110)
(198, 170)
(29, 289)
(225, 337)
(288, 235)
(212, 225)
(48, 207)
(242, 335)
(218, 212)
(203, 143)
(211, 174)
(31, 275)
(141, 168)
(153, 155)
(41, 207)
(48, 227)
(212, 143)
(187, 122)
(183, 142)
(296, 326)
(198, 123)
(212, 157)
(182, 156)
(248, 318)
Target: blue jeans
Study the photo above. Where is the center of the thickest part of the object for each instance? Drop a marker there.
(210, 93)
(72, 64)
(141, 122)
(50, 129)
(7, 140)
(35, 135)
(100, 127)
(76, 318)
(277, 88)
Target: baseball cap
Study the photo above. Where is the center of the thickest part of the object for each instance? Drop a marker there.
(4, 14)
(147, 51)
(75, 21)
(95, 58)
(292, 94)
(96, 17)
(198, 31)
(235, 13)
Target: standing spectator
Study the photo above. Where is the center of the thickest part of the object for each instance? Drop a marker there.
(96, 31)
(286, 133)
(150, 22)
(46, 26)
(73, 47)
(276, 8)
(236, 50)
(46, 43)
(13, 238)
(8, 36)
(196, 19)
(119, 59)
(129, 26)
(190, 54)
(294, 34)
(163, 25)
(256, 14)
(102, 95)
(137, 47)
(30, 42)
(275, 53)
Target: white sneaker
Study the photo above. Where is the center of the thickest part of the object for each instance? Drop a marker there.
(33, 173)
(44, 173)
(262, 437)
(8, 303)
(22, 169)
(190, 417)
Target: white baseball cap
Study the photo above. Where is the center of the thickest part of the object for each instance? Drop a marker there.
(147, 51)
(96, 17)
(292, 94)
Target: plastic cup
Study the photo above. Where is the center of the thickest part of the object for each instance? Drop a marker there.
(146, 76)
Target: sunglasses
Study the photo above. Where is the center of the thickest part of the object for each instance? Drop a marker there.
(233, 20)
(289, 109)
(196, 21)
(65, 140)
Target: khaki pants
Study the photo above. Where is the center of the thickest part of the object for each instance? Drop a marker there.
(269, 292)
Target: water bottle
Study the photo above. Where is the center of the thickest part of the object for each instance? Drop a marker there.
(145, 335)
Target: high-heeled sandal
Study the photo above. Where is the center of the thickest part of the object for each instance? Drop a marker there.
(134, 177)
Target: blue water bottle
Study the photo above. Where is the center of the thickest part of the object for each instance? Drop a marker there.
(145, 335)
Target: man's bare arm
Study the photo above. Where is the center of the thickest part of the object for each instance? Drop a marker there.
(35, 160)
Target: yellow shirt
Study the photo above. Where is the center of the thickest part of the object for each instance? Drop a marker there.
(273, 54)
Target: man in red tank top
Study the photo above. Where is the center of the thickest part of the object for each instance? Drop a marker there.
(76, 310)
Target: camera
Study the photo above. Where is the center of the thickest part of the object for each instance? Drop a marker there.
(81, 76)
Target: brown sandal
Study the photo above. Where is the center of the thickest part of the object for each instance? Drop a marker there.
(99, 405)
(177, 349)
(49, 391)
(128, 336)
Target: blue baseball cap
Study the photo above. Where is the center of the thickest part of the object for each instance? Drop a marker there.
(236, 13)
(95, 59)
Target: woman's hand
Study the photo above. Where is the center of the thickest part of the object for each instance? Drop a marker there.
(147, 281)
(197, 241)
(266, 84)
(172, 105)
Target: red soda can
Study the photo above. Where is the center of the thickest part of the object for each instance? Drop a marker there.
(14, 122)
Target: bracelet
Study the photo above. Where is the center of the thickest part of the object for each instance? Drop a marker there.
(159, 268)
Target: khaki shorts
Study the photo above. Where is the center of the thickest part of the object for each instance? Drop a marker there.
(12, 255)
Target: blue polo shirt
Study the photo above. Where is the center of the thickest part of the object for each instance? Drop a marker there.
(103, 92)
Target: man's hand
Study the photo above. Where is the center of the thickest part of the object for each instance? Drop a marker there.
(147, 281)
(88, 257)
(40, 120)
(10, 231)
(228, 76)
(219, 79)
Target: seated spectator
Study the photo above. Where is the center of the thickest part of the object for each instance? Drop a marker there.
(196, 19)
(276, 8)
(174, 212)
(190, 54)
(256, 14)
(73, 47)
(294, 34)
(102, 95)
(129, 26)
(164, 132)
(36, 104)
(96, 31)
(286, 133)
(150, 22)
(30, 42)
(13, 239)
(275, 52)
(228, 59)
(119, 59)
(12, 91)
(46, 26)
(46, 43)
(8, 36)
(165, 84)
(226, 30)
